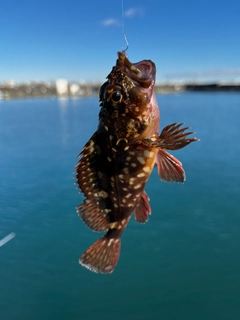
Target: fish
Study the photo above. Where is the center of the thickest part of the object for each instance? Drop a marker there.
(118, 159)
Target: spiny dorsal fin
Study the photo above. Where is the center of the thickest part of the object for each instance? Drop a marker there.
(173, 137)
(87, 176)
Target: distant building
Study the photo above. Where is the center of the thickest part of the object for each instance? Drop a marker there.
(62, 87)
(11, 83)
(75, 89)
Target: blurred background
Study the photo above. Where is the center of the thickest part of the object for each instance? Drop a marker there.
(192, 43)
(184, 263)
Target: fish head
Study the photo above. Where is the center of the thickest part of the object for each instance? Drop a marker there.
(128, 103)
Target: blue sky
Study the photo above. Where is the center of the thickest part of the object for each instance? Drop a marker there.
(78, 40)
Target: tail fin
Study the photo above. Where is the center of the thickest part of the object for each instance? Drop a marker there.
(102, 256)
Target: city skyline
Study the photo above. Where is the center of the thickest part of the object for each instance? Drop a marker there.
(78, 41)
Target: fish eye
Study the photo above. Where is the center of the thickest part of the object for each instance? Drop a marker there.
(116, 96)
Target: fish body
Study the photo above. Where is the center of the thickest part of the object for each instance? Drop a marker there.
(117, 161)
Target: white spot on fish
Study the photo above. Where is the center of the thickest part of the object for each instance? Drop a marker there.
(110, 242)
(132, 180)
(146, 153)
(103, 194)
(137, 186)
(146, 169)
(141, 174)
(141, 160)
(125, 170)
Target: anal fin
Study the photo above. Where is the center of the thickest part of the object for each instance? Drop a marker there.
(169, 168)
(92, 215)
(102, 256)
(142, 209)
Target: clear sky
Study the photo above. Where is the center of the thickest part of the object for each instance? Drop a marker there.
(78, 39)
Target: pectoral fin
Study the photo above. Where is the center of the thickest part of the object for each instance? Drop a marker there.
(169, 168)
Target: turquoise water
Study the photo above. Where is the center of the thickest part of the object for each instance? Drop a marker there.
(183, 264)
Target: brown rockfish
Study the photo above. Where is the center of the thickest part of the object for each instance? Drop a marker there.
(117, 161)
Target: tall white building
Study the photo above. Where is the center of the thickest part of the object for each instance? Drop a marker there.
(62, 87)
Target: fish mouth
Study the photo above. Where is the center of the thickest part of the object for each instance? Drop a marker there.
(142, 72)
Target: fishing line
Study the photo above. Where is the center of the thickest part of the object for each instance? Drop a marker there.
(123, 31)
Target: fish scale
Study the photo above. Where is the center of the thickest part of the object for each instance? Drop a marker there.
(117, 161)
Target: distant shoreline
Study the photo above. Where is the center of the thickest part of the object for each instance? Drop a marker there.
(62, 88)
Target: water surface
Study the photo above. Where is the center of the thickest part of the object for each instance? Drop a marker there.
(183, 264)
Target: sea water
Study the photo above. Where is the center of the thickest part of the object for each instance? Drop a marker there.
(184, 263)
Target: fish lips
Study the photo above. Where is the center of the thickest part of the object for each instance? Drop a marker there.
(142, 73)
